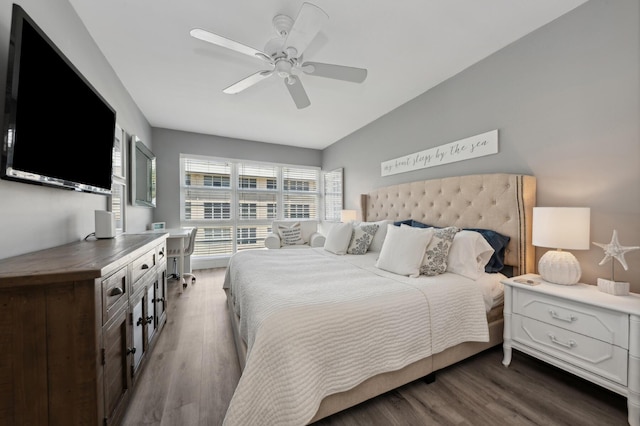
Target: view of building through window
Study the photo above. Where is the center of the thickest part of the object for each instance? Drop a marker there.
(233, 203)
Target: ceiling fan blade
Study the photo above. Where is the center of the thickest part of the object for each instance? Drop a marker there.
(338, 72)
(228, 43)
(247, 82)
(306, 26)
(297, 92)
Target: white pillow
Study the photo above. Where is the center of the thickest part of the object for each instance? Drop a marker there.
(338, 239)
(361, 238)
(290, 235)
(469, 254)
(378, 239)
(403, 249)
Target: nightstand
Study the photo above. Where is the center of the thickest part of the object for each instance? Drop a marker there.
(578, 328)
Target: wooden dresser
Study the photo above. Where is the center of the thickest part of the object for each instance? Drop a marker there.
(76, 325)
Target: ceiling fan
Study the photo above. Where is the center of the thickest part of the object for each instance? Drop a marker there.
(284, 54)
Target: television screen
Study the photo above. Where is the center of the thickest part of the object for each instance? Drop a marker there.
(58, 130)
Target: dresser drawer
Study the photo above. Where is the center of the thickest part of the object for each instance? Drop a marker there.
(115, 293)
(592, 321)
(161, 253)
(142, 265)
(593, 355)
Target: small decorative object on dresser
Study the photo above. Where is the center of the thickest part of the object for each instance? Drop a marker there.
(614, 250)
(579, 329)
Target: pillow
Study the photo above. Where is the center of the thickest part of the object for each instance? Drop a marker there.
(338, 238)
(435, 256)
(414, 223)
(403, 222)
(290, 235)
(469, 254)
(361, 238)
(378, 238)
(403, 250)
(499, 243)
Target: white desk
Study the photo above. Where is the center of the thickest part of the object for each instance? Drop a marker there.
(181, 237)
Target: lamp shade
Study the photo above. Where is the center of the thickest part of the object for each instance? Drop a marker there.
(561, 227)
(347, 215)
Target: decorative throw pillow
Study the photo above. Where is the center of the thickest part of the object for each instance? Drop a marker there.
(468, 254)
(403, 249)
(338, 238)
(361, 238)
(290, 235)
(435, 256)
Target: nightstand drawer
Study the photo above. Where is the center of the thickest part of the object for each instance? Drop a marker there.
(598, 323)
(593, 355)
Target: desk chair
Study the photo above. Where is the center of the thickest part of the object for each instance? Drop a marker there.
(175, 254)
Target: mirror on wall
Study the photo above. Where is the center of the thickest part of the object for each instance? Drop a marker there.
(143, 174)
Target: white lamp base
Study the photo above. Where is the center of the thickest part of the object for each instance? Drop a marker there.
(559, 267)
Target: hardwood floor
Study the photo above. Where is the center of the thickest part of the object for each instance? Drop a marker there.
(193, 371)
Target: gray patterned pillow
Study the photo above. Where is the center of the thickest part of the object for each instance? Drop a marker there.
(435, 256)
(290, 235)
(361, 238)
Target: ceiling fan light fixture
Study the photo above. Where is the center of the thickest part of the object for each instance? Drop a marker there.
(282, 24)
(283, 68)
(291, 80)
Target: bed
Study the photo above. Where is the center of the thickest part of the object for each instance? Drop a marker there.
(318, 332)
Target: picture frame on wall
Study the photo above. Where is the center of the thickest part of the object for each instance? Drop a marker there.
(119, 153)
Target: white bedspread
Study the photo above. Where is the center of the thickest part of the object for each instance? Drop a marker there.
(316, 324)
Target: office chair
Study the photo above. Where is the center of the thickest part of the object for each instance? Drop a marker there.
(188, 251)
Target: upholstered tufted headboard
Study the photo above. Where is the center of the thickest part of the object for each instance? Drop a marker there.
(499, 201)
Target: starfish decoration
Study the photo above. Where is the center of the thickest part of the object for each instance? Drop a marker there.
(614, 250)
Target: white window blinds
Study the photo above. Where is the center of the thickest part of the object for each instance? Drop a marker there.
(233, 203)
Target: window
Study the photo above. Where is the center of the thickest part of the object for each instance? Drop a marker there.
(297, 211)
(248, 211)
(333, 194)
(248, 182)
(233, 203)
(217, 181)
(247, 236)
(296, 185)
(217, 210)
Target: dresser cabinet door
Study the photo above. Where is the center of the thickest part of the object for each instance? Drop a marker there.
(161, 298)
(137, 311)
(117, 383)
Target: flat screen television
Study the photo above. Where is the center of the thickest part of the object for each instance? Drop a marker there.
(58, 130)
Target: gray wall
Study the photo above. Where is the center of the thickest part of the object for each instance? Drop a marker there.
(35, 217)
(169, 144)
(566, 102)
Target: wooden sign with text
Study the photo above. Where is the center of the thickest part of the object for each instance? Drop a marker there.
(464, 149)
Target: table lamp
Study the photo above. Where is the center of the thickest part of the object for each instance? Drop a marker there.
(347, 215)
(561, 228)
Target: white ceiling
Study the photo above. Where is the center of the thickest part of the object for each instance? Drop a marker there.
(408, 47)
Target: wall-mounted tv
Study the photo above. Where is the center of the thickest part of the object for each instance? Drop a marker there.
(58, 130)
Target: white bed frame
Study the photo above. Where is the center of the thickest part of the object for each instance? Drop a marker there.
(500, 202)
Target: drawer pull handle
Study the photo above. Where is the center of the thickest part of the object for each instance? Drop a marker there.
(558, 317)
(161, 254)
(116, 291)
(144, 266)
(570, 344)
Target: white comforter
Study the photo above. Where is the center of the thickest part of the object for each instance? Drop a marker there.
(317, 324)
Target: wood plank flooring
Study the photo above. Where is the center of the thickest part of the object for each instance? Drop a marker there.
(192, 373)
